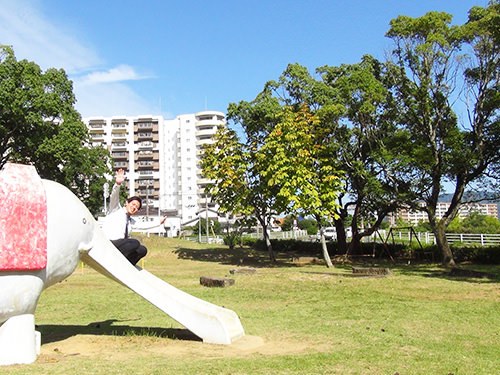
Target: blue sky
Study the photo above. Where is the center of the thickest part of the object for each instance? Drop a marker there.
(179, 56)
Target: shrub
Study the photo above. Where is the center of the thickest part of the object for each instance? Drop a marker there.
(250, 241)
(477, 254)
(310, 225)
(231, 239)
(461, 252)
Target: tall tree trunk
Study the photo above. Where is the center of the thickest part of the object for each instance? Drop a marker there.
(341, 237)
(439, 225)
(267, 240)
(326, 256)
(324, 248)
(353, 248)
(442, 242)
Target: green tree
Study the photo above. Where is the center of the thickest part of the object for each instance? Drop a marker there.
(302, 147)
(477, 223)
(239, 185)
(422, 226)
(287, 224)
(455, 226)
(429, 53)
(39, 126)
(335, 140)
(301, 169)
(214, 227)
(370, 148)
(310, 225)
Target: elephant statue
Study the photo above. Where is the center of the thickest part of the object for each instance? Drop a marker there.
(45, 230)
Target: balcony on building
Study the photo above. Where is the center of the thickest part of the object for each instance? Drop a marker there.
(145, 145)
(146, 191)
(149, 164)
(201, 191)
(118, 136)
(145, 173)
(143, 136)
(147, 182)
(119, 155)
(118, 144)
(145, 164)
(119, 127)
(202, 201)
(204, 181)
(145, 155)
(120, 165)
(206, 132)
(96, 137)
(205, 141)
(148, 194)
(96, 127)
(142, 126)
(209, 118)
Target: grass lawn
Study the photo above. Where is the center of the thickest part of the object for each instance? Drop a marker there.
(297, 319)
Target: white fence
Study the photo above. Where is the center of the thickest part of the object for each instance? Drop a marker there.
(400, 236)
(280, 235)
(428, 238)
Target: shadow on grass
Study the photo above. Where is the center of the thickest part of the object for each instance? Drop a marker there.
(53, 333)
(468, 275)
(248, 257)
(473, 273)
(237, 257)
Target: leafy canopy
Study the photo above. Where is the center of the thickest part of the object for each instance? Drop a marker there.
(39, 126)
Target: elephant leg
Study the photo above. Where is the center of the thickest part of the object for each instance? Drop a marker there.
(19, 342)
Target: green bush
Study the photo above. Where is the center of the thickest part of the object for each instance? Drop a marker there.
(461, 252)
(476, 254)
(249, 241)
(310, 225)
(231, 239)
(289, 246)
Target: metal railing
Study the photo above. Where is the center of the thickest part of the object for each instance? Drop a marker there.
(428, 238)
(282, 235)
(401, 236)
(398, 237)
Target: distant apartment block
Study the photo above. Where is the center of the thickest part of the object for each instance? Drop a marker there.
(414, 217)
(160, 158)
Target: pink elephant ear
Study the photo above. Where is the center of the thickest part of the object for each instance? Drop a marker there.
(23, 219)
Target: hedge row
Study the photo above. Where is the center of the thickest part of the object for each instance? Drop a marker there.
(461, 252)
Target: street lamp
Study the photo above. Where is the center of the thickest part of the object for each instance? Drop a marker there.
(105, 193)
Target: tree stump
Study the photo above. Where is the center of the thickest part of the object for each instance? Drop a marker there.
(216, 282)
(370, 271)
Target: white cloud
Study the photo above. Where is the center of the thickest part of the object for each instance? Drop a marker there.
(120, 73)
(104, 93)
(34, 37)
(110, 99)
(49, 43)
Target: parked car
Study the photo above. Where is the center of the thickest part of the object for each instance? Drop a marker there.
(330, 234)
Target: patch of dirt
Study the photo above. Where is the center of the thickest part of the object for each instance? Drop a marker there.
(123, 347)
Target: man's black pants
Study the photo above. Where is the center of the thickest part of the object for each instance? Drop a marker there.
(131, 249)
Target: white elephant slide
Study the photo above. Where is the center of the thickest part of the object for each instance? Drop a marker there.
(44, 231)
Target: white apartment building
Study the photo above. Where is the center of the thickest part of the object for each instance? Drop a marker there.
(414, 217)
(160, 158)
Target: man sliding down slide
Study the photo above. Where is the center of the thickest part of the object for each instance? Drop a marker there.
(118, 223)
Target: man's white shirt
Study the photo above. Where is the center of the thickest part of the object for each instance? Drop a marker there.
(116, 220)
